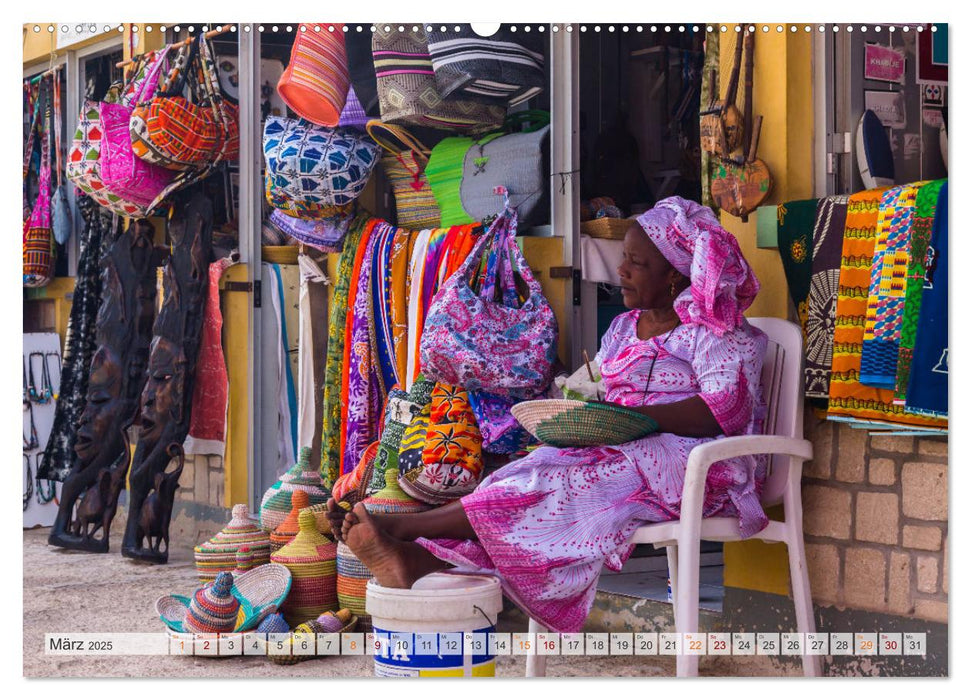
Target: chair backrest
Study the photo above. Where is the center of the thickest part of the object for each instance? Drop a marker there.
(782, 386)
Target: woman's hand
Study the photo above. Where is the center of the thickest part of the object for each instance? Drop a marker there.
(690, 417)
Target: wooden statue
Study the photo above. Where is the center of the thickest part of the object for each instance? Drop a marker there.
(123, 331)
(166, 399)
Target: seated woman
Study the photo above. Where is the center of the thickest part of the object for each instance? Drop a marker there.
(546, 524)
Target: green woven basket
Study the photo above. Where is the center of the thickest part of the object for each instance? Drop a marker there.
(568, 423)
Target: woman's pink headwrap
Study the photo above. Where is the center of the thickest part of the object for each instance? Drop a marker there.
(722, 283)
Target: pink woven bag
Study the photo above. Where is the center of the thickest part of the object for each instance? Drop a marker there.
(122, 172)
(475, 342)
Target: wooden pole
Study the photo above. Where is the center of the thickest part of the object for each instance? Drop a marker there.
(209, 35)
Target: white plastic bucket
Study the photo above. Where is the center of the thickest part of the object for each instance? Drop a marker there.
(435, 605)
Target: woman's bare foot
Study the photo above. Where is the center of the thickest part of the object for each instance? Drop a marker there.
(393, 563)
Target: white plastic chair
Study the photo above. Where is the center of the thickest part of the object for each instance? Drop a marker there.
(782, 384)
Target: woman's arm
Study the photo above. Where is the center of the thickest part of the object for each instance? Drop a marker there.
(690, 417)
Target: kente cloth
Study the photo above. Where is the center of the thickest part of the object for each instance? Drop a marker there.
(210, 392)
(354, 292)
(416, 269)
(796, 224)
(920, 238)
(363, 406)
(331, 446)
(404, 242)
(927, 389)
(823, 289)
(694, 242)
(310, 273)
(847, 396)
(546, 524)
(888, 288)
(100, 231)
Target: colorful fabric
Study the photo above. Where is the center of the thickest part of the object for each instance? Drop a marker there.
(404, 161)
(307, 387)
(382, 339)
(847, 396)
(451, 460)
(416, 269)
(888, 288)
(279, 385)
(398, 299)
(325, 234)
(413, 439)
(38, 247)
(796, 230)
(316, 81)
(312, 166)
(505, 68)
(823, 288)
(927, 388)
(331, 446)
(210, 392)
(547, 524)
(920, 238)
(479, 344)
(691, 238)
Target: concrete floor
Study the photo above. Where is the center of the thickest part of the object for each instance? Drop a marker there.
(76, 592)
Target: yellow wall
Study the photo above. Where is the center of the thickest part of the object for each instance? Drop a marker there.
(235, 308)
(782, 94)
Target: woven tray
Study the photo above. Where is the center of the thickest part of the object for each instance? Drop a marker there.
(568, 423)
(606, 227)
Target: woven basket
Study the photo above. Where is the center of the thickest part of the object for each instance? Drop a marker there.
(320, 515)
(288, 529)
(606, 227)
(567, 423)
(311, 559)
(352, 578)
(404, 161)
(219, 552)
(276, 503)
(314, 627)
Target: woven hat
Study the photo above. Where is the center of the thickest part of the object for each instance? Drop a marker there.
(244, 560)
(219, 552)
(301, 476)
(311, 559)
(213, 608)
(290, 526)
(316, 81)
(273, 624)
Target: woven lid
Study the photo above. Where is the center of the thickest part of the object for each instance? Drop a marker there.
(240, 531)
(213, 608)
(244, 560)
(273, 623)
(391, 498)
(291, 525)
(308, 545)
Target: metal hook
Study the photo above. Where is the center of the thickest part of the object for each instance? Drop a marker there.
(504, 192)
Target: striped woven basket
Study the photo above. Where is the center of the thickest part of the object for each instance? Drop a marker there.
(342, 621)
(284, 533)
(404, 161)
(352, 578)
(568, 423)
(311, 559)
(219, 552)
(276, 503)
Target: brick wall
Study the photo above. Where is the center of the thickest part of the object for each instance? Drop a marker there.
(203, 480)
(875, 519)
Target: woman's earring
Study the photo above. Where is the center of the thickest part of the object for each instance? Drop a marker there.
(674, 292)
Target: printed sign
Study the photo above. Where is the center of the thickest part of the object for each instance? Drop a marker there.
(883, 63)
(888, 106)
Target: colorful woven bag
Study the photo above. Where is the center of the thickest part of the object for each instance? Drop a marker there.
(316, 81)
(314, 168)
(178, 133)
(504, 348)
(407, 90)
(220, 552)
(38, 237)
(312, 561)
(444, 174)
(404, 162)
(451, 463)
(277, 501)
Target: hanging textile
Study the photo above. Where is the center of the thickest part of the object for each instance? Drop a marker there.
(279, 383)
(927, 388)
(100, 231)
(381, 336)
(847, 396)
(888, 277)
(823, 289)
(920, 238)
(210, 395)
(415, 271)
(331, 445)
(310, 273)
(404, 242)
(796, 220)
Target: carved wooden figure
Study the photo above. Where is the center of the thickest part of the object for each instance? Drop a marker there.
(89, 497)
(167, 396)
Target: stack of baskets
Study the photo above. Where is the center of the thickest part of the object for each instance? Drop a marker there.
(276, 502)
(290, 526)
(219, 553)
(311, 559)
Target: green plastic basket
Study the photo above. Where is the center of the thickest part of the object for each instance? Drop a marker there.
(568, 423)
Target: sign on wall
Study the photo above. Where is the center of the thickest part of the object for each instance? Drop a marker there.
(884, 63)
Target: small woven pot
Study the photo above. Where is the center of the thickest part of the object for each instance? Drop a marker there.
(335, 623)
(276, 504)
(311, 559)
(290, 526)
(213, 608)
(244, 561)
(219, 552)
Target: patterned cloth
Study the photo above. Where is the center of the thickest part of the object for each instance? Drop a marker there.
(920, 238)
(210, 393)
(888, 287)
(79, 342)
(847, 396)
(546, 524)
(823, 288)
(796, 223)
(927, 390)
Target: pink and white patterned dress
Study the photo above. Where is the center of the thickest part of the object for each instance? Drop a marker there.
(547, 523)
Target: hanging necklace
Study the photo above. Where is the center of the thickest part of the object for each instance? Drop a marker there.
(30, 482)
(650, 371)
